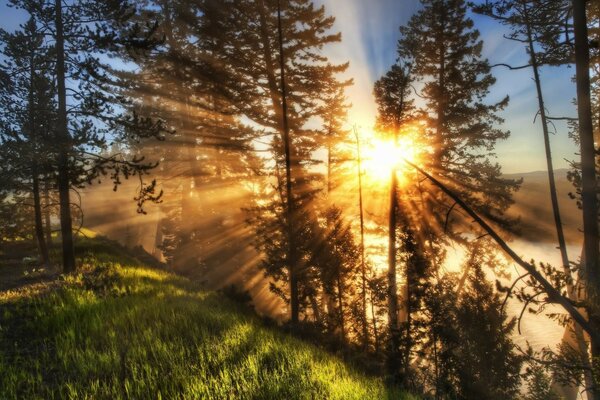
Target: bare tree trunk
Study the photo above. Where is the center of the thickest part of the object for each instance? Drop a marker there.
(375, 332)
(363, 269)
(328, 300)
(589, 186)
(407, 321)
(542, 111)
(573, 332)
(64, 186)
(315, 307)
(329, 158)
(393, 355)
(158, 239)
(441, 105)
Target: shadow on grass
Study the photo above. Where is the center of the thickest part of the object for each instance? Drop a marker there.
(115, 332)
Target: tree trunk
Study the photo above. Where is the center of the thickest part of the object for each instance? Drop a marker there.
(393, 354)
(363, 269)
(375, 332)
(37, 207)
(39, 228)
(64, 186)
(542, 110)
(280, 109)
(315, 307)
(589, 188)
(573, 332)
(294, 300)
(47, 220)
(441, 100)
(340, 290)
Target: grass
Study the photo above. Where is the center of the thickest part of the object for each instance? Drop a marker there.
(121, 330)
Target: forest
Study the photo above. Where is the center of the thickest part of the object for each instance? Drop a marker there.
(300, 199)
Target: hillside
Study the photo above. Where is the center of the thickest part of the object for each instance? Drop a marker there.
(121, 329)
(532, 205)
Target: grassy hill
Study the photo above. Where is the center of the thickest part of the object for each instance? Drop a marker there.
(120, 329)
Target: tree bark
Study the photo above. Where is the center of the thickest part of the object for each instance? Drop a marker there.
(573, 332)
(294, 300)
(393, 354)
(589, 188)
(64, 186)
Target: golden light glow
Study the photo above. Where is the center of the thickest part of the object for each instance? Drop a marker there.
(383, 156)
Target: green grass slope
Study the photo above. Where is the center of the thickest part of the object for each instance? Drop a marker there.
(121, 330)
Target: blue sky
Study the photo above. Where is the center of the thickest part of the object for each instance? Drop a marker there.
(369, 35)
(370, 32)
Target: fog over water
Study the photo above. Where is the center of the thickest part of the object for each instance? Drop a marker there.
(539, 330)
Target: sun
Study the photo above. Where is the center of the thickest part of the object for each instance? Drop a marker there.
(382, 156)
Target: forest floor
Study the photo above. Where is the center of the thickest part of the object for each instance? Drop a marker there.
(121, 328)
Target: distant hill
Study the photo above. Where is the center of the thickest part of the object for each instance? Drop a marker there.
(533, 205)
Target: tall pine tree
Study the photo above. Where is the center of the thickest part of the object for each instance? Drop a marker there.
(90, 108)
(444, 50)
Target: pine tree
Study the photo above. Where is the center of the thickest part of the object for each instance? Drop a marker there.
(395, 105)
(444, 50)
(94, 98)
(265, 41)
(209, 150)
(29, 114)
(467, 340)
(489, 366)
(540, 25)
(395, 111)
(440, 52)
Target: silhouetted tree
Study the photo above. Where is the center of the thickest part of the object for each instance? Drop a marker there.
(395, 111)
(468, 341)
(186, 84)
(28, 114)
(444, 51)
(281, 82)
(82, 33)
(540, 26)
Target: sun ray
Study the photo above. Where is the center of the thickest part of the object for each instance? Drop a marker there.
(385, 152)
